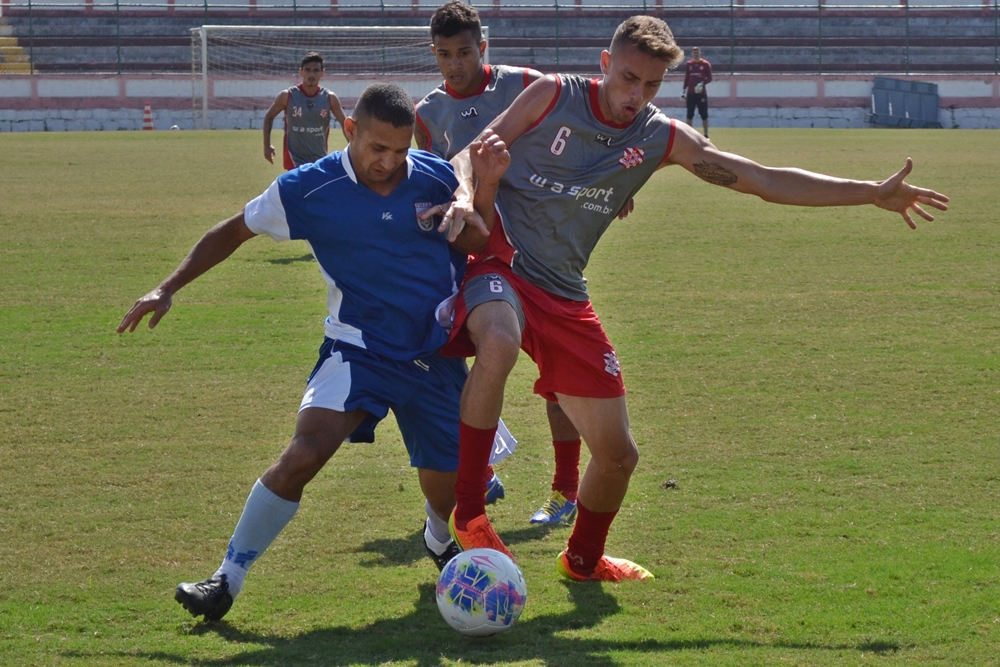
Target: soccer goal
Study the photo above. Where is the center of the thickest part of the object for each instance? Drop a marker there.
(242, 68)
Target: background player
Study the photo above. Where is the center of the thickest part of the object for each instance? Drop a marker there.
(382, 331)
(307, 107)
(579, 149)
(449, 118)
(697, 76)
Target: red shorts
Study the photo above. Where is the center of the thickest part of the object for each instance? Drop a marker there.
(563, 337)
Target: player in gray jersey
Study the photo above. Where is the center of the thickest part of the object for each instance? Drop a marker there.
(578, 150)
(449, 118)
(307, 108)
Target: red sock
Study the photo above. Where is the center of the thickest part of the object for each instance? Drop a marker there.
(474, 447)
(567, 478)
(586, 544)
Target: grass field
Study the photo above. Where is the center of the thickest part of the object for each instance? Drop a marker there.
(822, 384)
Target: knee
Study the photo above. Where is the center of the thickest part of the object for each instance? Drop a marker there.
(621, 459)
(498, 346)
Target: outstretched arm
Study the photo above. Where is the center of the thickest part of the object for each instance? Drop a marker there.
(521, 115)
(216, 245)
(797, 186)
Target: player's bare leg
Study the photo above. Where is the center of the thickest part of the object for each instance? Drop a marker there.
(704, 124)
(603, 423)
(494, 329)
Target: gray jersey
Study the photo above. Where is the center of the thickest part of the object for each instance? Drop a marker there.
(307, 125)
(569, 176)
(452, 122)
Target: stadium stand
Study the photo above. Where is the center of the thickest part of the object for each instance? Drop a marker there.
(98, 36)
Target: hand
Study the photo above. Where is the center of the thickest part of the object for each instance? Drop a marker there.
(157, 302)
(895, 194)
(490, 158)
(456, 216)
(626, 209)
(269, 154)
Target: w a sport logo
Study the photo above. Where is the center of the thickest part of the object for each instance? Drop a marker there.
(632, 157)
(470, 113)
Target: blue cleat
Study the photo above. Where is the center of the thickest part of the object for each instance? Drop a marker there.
(494, 490)
(556, 510)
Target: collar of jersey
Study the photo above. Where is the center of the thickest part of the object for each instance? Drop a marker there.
(345, 160)
(595, 106)
(319, 90)
(487, 76)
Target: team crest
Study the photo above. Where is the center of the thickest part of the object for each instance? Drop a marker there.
(632, 157)
(611, 365)
(323, 113)
(430, 223)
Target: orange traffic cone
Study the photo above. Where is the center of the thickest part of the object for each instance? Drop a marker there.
(147, 118)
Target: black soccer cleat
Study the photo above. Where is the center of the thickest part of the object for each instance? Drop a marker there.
(209, 598)
(449, 553)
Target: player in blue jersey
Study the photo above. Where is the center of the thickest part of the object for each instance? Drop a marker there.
(449, 118)
(367, 214)
(579, 149)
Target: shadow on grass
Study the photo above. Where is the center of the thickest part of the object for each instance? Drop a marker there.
(422, 639)
(289, 260)
(406, 551)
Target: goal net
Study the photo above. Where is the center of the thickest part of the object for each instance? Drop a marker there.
(242, 68)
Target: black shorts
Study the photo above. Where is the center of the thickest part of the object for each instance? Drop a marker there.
(699, 100)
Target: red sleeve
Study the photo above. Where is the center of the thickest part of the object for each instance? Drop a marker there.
(555, 98)
(426, 132)
(708, 74)
(670, 143)
(687, 76)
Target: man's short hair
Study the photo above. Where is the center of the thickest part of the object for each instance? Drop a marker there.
(312, 57)
(650, 35)
(455, 17)
(387, 102)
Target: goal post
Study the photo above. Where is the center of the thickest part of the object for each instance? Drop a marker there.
(242, 68)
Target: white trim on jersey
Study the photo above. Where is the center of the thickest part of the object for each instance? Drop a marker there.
(332, 326)
(345, 161)
(266, 215)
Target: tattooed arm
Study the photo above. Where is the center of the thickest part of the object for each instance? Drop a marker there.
(797, 186)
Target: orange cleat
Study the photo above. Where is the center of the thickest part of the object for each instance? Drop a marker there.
(478, 534)
(608, 569)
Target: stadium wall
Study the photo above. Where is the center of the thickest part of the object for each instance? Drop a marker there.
(108, 103)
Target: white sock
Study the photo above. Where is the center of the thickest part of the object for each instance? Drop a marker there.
(264, 516)
(436, 528)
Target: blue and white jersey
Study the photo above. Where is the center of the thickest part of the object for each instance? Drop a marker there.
(386, 271)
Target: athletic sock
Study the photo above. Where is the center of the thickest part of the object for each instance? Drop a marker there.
(567, 477)
(437, 526)
(474, 447)
(436, 545)
(264, 516)
(586, 544)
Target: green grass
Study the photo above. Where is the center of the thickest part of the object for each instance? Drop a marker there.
(822, 384)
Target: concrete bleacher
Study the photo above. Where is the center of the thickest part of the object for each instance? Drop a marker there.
(751, 36)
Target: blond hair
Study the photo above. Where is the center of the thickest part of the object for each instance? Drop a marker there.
(650, 35)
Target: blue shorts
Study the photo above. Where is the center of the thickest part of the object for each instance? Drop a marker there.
(423, 394)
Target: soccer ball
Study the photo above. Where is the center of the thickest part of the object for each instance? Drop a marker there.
(481, 592)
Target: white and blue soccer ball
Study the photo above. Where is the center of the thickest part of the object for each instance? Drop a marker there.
(481, 592)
